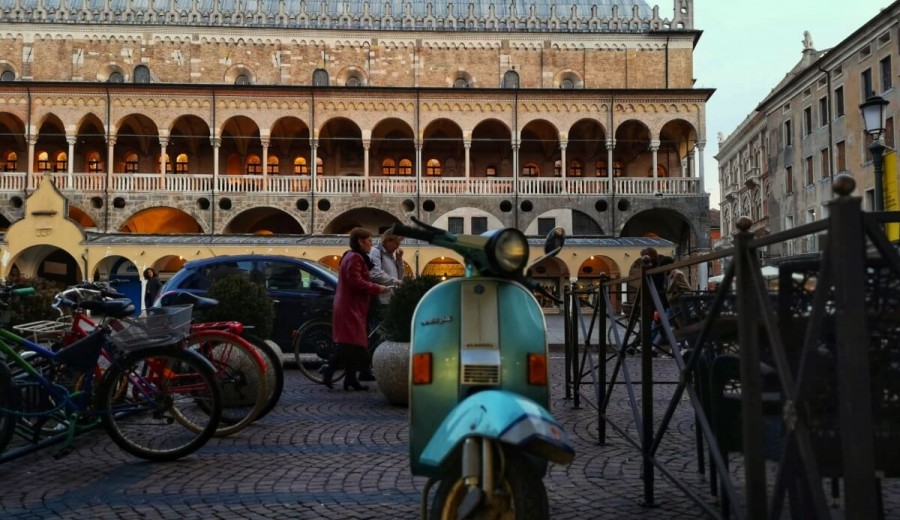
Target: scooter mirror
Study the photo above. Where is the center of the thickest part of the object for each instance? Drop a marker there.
(555, 240)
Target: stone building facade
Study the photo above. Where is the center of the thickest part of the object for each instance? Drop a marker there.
(777, 167)
(226, 117)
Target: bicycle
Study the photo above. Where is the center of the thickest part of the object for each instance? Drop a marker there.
(155, 401)
(239, 368)
(313, 347)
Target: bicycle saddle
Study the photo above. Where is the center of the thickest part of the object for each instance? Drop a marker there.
(185, 298)
(118, 308)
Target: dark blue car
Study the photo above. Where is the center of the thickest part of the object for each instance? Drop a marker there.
(301, 289)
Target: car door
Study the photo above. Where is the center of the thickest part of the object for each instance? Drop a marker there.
(299, 295)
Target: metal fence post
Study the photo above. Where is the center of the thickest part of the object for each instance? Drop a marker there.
(567, 325)
(647, 381)
(748, 308)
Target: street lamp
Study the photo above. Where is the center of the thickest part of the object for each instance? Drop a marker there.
(873, 119)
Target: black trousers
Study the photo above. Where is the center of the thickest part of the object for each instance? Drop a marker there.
(353, 358)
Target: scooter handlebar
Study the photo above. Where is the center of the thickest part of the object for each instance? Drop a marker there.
(417, 233)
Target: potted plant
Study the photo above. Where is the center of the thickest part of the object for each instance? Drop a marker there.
(390, 362)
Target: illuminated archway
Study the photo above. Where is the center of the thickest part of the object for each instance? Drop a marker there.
(161, 220)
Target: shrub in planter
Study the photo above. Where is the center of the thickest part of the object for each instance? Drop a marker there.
(391, 360)
(240, 300)
(34, 307)
(396, 316)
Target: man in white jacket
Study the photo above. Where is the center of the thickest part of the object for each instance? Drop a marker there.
(387, 269)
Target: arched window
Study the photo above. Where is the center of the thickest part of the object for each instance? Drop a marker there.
(618, 169)
(254, 165)
(353, 81)
(300, 167)
(490, 171)
(115, 77)
(320, 166)
(575, 169)
(8, 75)
(93, 162)
(531, 170)
(141, 74)
(320, 78)
(461, 83)
(511, 79)
(388, 167)
(567, 84)
(405, 167)
(43, 162)
(131, 162)
(272, 165)
(10, 162)
(242, 79)
(557, 168)
(600, 169)
(433, 167)
(182, 163)
(61, 163)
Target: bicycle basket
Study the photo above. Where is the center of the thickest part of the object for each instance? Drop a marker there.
(161, 326)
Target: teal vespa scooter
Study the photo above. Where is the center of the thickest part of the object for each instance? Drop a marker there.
(479, 419)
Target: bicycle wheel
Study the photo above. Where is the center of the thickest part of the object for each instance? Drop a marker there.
(618, 328)
(171, 388)
(240, 372)
(274, 371)
(313, 348)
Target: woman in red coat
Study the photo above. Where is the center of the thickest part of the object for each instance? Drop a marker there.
(351, 309)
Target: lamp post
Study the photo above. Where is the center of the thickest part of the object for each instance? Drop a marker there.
(873, 119)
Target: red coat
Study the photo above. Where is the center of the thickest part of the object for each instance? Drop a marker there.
(351, 302)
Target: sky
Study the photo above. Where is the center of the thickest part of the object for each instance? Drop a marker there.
(748, 46)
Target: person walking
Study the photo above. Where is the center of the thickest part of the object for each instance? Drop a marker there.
(387, 269)
(154, 285)
(351, 308)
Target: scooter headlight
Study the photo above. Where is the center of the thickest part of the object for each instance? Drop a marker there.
(507, 251)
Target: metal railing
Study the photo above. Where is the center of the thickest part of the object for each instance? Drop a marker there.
(813, 367)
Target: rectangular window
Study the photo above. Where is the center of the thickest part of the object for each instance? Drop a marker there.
(273, 169)
(869, 200)
(43, 166)
(889, 132)
(131, 167)
(841, 157)
(826, 167)
(886, 81)
(865, 84)
(787, 136)
(808, 173)
(479, 225)
(93, 166)
(867, 140)
(455, 225)
(546, 225)
(823, 111)
(839, 102)
(807, 121)
(788, 180)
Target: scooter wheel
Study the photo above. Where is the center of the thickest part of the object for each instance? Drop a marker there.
(519, 494)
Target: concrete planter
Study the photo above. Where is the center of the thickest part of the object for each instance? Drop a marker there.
(390, 363)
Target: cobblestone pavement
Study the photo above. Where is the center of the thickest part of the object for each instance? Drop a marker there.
(332, 454)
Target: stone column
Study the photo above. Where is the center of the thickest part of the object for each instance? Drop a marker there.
(367, 145)
(70, 164)
(313, 158)
(515, 151)
(654, 148)
(610, 146)
(110, 155)
(29, 173)
(563, 164)
(700, 146)
(163, 143)
(216, 143)
(418, 171)
(467, 145)
(265, 165)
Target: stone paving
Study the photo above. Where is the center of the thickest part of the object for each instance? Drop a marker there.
(332, 454)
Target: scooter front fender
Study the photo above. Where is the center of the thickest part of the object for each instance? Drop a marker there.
(502, 416)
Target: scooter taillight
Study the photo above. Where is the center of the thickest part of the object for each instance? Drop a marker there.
(421, 369)
(537, 369)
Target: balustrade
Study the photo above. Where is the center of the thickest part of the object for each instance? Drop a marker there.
(353, 184)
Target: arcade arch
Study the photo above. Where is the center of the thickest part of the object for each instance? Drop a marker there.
(161, 220)
(264, 221)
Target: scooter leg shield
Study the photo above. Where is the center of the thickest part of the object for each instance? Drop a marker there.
(503, 416)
